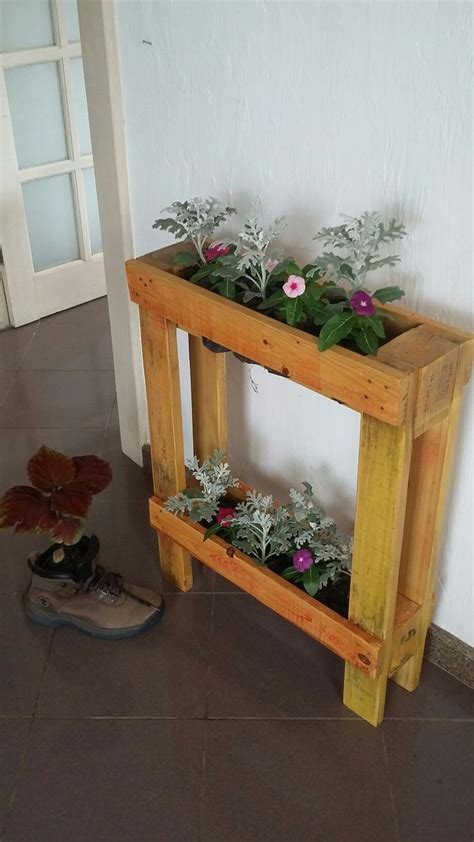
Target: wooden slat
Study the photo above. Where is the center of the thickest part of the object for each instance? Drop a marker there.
(406, 632)
(434, 358)
(160, 358)
(384, 461)
(427, 495)
(353, 644)
(362, 383)
(209, 399)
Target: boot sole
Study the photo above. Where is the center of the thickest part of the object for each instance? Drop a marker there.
(44, 618)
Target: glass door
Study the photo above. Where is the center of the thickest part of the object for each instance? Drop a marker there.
(49, 229)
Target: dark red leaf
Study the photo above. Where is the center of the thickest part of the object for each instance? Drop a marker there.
(27, 510)
(94, 473)
(68, 530)
(49, 469)
(73, 500)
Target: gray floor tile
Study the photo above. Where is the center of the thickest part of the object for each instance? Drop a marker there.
(262, 666)
(6, 380)
(163, 672)
(305, 781)
(13, 737)
(59, 399)
(438, 696)
(80, 346)
(13, 345)
(94, 312)
(430, 766)
(23, 655)
(110, 781)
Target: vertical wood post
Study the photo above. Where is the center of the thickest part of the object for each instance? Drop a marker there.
(384, 462)
(427, 494)
(209, 397)
(160, 359)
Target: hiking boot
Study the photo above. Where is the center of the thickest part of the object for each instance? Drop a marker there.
(69, 588)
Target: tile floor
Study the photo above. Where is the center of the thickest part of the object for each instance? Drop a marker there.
(223, 722)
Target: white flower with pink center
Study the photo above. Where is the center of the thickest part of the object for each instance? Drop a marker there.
(294, 286)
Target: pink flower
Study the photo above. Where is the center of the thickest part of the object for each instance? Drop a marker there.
(294, 286)
(216, 250)
(225, 515)
(271, 264)
(362, 304)
(302, 560)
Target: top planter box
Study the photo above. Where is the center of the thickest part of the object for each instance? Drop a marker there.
(411, 380)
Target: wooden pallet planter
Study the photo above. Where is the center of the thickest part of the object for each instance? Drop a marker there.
(409, 398)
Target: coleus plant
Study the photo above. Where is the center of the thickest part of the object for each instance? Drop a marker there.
(59, 497)
(299, 531)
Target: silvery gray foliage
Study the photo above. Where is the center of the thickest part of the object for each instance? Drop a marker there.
(195, 220)
(215, 478)
(314, 530)
(253, 259)
(360, 240)
(262, 529)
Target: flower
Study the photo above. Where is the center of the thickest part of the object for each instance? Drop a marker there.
(294, 286)
(362, 304)
(302, 560)
(225, 515)
(271, 264)
(216, 250)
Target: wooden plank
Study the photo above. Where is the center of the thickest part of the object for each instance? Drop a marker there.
(434, 358)
(355, 645)
(362, 383)
(160, 358)
(427, 495)
(384, 461)
(406, 632)
(209, 398)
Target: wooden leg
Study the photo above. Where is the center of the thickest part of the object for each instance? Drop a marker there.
(160, 359)
(209, 396)
(384, 461)
(427, 492)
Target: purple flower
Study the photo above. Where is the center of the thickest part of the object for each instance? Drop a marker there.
(362, 304)
(216, 250)
(302, 560)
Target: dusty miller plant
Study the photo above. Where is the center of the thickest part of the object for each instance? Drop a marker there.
(202, 503)
(253, 261)
(359, 240)
(194, 220)
(260, 528)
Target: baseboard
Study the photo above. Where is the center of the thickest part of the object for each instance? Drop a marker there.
(442, 648)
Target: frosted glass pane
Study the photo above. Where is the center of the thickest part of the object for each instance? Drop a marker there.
(25, 24)
(92, 210)
(72, 20)
(51, 221)
(77, 71)
(34, 94)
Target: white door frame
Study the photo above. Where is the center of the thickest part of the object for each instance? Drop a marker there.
(100, 51)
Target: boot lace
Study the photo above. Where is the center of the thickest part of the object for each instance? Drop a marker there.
(104, 583)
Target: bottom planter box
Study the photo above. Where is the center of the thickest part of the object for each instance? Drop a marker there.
(346, 639)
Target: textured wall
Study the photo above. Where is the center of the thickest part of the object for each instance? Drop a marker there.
(313, 109)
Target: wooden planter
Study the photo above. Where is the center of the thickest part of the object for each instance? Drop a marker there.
(409, 397)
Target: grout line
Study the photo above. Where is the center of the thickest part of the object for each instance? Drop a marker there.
(390, 788)
(208, 649)
(24, 754)
(203, 782)
(215, 718)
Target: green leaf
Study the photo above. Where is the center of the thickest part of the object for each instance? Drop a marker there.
(287, 267)
(337, 328)
(387, 294)
(374, 322)
(249, 295)
(318, 310)
(186, 258)
(170, 225)
(311, 580)
(226, 287)
(290, 573)
(212, 530)
(200, 274)
(293, 311)
(276, 299)
(227, 271)
(367, 341)
(315, 291)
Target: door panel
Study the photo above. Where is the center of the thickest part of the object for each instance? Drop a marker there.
(49, 221)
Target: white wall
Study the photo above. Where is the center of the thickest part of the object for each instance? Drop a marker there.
(313, 109)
